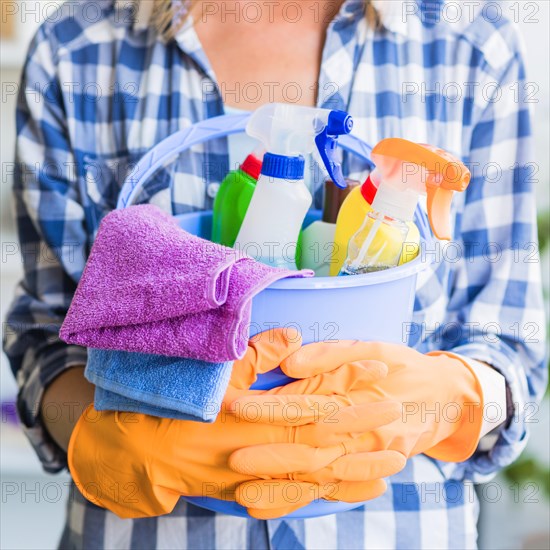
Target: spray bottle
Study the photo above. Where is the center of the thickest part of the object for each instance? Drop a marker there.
(233, 199)
(272, 223)
(352, 215)
(406, 170)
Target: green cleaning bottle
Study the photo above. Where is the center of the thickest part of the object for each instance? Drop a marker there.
(232, 200)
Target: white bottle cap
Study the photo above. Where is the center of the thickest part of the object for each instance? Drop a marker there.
(394, 203)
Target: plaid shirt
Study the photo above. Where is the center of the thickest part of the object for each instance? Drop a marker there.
(99, 91)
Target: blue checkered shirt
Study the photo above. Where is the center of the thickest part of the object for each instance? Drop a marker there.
(98, 92)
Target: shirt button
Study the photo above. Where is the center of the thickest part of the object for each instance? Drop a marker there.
(212, 190)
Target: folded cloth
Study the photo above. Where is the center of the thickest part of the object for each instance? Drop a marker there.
(151, 287)
(185, 389)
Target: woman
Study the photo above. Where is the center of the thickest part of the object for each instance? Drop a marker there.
(103, 85)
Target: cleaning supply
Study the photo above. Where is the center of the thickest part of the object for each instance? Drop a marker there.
(138, 465)
(271, 226)
(171, 387)
(232, 200)
(406, 171)
(151, 287)
(352, 215)
(317, 249)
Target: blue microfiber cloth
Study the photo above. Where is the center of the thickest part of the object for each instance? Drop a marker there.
(170, 387)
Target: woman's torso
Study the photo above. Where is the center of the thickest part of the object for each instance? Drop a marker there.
(131, 91)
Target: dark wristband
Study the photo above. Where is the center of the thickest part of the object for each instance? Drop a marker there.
(510, 407)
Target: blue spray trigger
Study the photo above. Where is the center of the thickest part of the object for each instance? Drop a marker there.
(339, 123)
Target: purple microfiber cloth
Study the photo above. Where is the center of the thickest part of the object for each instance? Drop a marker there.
(151, 287)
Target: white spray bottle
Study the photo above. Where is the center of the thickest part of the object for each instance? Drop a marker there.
(271, 226)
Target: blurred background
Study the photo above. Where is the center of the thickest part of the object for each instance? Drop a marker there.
(515, 507)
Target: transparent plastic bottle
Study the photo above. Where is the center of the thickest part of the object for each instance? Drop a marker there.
(376, 246)
(351, 217)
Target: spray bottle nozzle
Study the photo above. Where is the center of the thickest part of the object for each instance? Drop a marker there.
(339, 123)
(411, 169)
(293, 130)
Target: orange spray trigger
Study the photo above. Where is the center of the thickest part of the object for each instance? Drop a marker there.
(408, 170)
(451, 175)
(439, 206)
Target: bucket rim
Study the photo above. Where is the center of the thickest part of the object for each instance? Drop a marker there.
(410, 269)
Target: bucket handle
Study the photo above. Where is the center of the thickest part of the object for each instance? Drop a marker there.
(213, 128)
(169, 148)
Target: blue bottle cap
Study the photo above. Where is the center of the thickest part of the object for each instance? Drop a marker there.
(285, 168)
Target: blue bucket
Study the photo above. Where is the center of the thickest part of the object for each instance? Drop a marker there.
(322, 308)
(329, 308)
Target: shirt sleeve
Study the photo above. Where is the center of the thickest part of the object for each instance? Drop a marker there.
(496, 293)
(53, 245)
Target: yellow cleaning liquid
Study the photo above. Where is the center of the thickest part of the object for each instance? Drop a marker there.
(352, 214)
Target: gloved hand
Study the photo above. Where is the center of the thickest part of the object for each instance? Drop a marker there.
(442, 402)
(138, 465)
(348, 478)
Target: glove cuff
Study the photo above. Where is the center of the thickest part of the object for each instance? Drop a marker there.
(72, 459)
(462, 444)
(109, 463)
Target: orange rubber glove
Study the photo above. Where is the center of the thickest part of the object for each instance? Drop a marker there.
(442, 403)
(331, 393)
(138, 465)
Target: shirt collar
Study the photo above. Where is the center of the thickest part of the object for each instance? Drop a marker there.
(392, 13)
